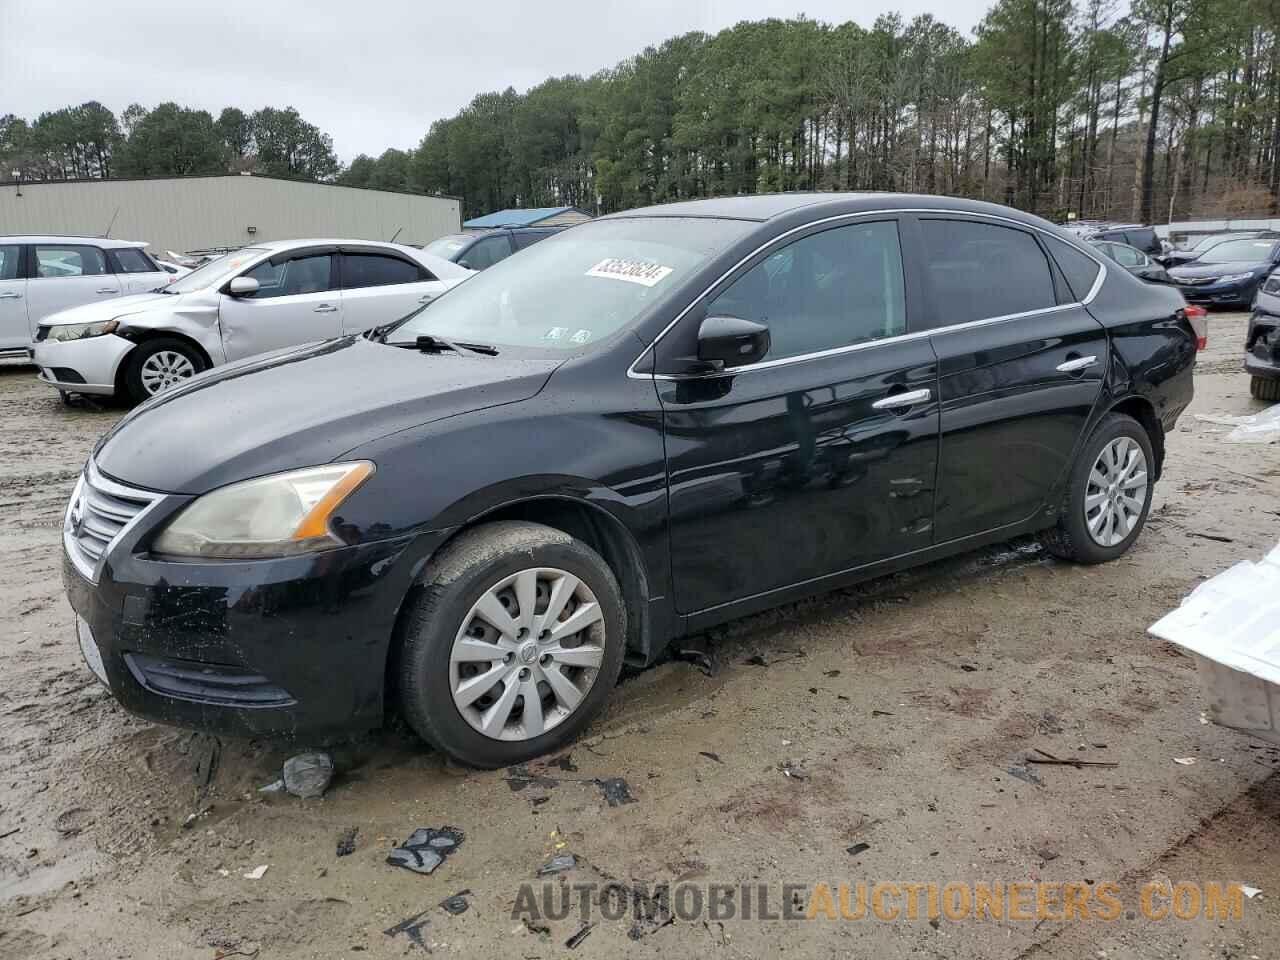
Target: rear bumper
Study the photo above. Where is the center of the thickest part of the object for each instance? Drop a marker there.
(81, 366)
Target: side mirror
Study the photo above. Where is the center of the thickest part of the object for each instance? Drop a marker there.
(725, 342)
(243, 287)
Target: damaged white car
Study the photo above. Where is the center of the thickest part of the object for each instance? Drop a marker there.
(260, 298)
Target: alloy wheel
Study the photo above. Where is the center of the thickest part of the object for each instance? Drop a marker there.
(527, 654)
(163, 369)
(1116, 492)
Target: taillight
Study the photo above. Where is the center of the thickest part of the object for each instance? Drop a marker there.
(1199, 318)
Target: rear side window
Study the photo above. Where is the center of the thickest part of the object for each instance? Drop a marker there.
(827, 290)
(1080, 269)
(980, 270)
(10, 257)
(130, 260)
(374, 270)
(291, 278)
(68, 261)
(1142, 239)
(528, 238)
(486, 253)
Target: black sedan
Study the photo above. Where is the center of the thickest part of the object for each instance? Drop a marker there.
(1133, 260)
(640, 428)
(1228, 274)
(481, 249)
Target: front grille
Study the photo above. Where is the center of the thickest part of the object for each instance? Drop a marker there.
(99, 512)
(206, 682)
(1196, 281)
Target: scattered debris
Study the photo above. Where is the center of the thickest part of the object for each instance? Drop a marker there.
(1024, 773)
(793, 770)
(347, 841)
(9, 833)
(755, 661)
(1210, 536)
(519, 777)
(584, 931)
(616, 791)
(412, 927)
(1204, 718)
(968, 667)
(881, 713)
(275, 786)
(558, 864)
(831, 673)
(1185, 761)
(1250, 892)
(308, 774)
(710, 756)
(858, 848)
(564, 763)
(1050, 759)
(1263, 427)
(457, 903)
(73, 821)
(1046, 854)
(257, 873)
(697, 650)
(426, 849)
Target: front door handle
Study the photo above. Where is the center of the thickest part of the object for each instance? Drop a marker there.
(10, 296)
(1076, 365)
(326, 308)
(107, 290)
(907, 399)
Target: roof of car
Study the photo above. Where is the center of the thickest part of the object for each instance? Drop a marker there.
(107, 243)
(766, 206)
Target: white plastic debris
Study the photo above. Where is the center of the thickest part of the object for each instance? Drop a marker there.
(1185, 761)
(1231, 625)
(1250, 892)
(1263, 427)
(257, 872)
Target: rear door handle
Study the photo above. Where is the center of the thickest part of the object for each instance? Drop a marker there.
(426, 298)
(326, 308)
(908, 398)
(1076, 365)
(107, 290)
(10, 296)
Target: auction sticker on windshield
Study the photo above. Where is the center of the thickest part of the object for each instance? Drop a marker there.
(644, 272)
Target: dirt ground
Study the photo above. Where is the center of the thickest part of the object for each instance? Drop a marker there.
(908, 708)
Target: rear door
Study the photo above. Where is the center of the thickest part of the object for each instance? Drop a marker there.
(138, 273)
(15, 332)
(297, 302)
(66, 275)
(1021, 364)
(380, 287)
(802, 466)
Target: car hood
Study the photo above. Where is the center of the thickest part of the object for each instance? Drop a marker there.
(111, 309)
(303, 406)
(1196, 270)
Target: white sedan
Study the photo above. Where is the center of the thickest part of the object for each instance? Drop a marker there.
(264, 297)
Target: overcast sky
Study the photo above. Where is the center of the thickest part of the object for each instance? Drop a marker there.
(373, 74)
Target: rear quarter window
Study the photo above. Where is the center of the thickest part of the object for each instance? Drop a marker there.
(1080, 269)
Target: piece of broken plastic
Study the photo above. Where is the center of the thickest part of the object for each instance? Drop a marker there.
(426, 849)
(1261, 427)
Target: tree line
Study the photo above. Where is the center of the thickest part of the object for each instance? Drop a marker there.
(89, 141)
(1147, 110)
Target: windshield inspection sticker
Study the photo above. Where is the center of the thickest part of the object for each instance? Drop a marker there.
(644, 272)
(556, 333)
(582, 336)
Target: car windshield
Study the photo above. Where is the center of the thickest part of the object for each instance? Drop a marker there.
(215, 271)
(1239, 251)
(1204, 243)
(446, 248)
(577, 288)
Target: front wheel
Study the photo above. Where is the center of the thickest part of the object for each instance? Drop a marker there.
(513, 643)
(1108, 494)
(156, 365)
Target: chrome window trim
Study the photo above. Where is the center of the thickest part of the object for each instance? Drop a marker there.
(914, 335)
(97, 481)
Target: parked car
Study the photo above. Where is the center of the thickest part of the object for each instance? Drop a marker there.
(1262, 345)
(481, 249)
(40, 276)
(1133, 234)
(1228, 274)
(1133, 260)
(1193, 250)
(640, 428)
(261, 298)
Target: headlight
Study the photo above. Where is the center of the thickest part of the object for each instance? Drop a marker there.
(276, 516)
(78, 331)
(1234, 277)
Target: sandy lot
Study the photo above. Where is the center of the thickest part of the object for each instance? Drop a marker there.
(904, 704)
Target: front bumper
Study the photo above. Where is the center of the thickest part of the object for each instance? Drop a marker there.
(95, 361)
(1236, 294)
(1262, 347)
(295, 646)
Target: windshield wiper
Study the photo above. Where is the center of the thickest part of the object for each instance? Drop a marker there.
(431, 343)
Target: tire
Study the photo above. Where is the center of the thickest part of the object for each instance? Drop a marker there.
(1071, 538)
(1264, 388)
(435, 659)
(155, 365)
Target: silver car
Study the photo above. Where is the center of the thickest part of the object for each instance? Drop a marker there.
(264, 297)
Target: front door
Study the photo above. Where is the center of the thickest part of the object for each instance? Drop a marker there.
(802, 465)
(14, 331)
(297, 302)
(67, 275)
(1021, 365)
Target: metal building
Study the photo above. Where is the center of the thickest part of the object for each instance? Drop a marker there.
(197, 213)
(529, 217)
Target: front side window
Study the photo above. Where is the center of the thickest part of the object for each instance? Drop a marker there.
(375, 270)
(131, 260)
(831, 289)
(10, 257)
(291, 277)
(981, 270)
(576, 289)
(486, 253)
(53, 262)
(1240, 251)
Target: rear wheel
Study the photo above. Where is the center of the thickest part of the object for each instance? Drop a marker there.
(156, 365)
(1264, 388)
(513, 643)
(1108, 494)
